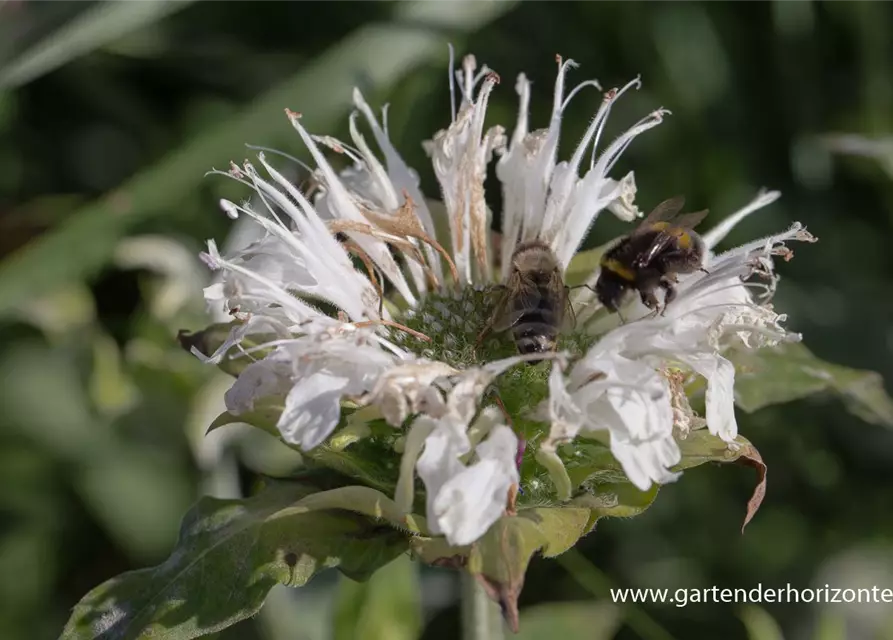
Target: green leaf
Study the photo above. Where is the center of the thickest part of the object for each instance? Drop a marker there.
(231, 553)
(264, 416)
(370, 461)
(94, 28)
(790, 371)
(379, 53)
(388, 605)
(570, 621)
(701, 447)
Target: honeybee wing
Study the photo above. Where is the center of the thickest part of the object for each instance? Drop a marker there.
(527, 295)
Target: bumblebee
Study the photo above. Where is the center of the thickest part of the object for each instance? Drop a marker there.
(535, 304)
(662, 247)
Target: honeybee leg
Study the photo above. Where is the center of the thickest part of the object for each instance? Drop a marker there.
(490, 323)
(483, 334)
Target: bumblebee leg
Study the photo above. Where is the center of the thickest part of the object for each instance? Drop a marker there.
(650, 300)
(669, 295)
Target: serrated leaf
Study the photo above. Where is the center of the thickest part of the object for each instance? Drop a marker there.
(570, 621)
(388, 605)
(790, 371)
(230, 554)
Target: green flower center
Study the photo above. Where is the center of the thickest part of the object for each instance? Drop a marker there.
(454, 323)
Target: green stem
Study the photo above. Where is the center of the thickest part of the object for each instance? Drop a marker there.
(598, 584)
(481, 618)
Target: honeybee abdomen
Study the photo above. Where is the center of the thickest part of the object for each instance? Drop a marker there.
(535, 338)
(536, 331)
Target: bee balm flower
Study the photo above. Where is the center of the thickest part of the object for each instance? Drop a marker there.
(358, 294)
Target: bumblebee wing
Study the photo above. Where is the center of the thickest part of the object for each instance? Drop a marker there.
(661, 241)
(690, 220)
(666, 210)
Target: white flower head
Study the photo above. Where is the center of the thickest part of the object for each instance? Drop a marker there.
(350, 295)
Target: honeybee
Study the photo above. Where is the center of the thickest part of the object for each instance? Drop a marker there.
(535, 304)
(662, 247)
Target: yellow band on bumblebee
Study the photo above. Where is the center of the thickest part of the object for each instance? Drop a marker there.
(614, 265)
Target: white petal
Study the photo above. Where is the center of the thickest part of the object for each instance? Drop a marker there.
(438, 463)
(468, 504)
(312, 410)
(720, 231)
(340, 203)
(460, 155)
(720, 376)
(407, 388)
(646, 463)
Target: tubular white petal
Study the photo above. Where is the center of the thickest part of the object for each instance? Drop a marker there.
(568, 222)
(403, 178)
(718, 233)
(564, 182)
(343, 206)
(459, 155)
(290, 306)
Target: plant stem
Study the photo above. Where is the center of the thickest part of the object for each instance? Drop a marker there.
(596, 582)
(481, 618)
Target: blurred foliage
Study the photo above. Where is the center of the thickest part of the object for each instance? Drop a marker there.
(109, 119)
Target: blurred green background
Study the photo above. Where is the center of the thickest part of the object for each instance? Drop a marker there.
(110, 113)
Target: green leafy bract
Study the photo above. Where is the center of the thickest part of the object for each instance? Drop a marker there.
(208, 340)
(232, 552)
(500, 558)
(790, 371)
